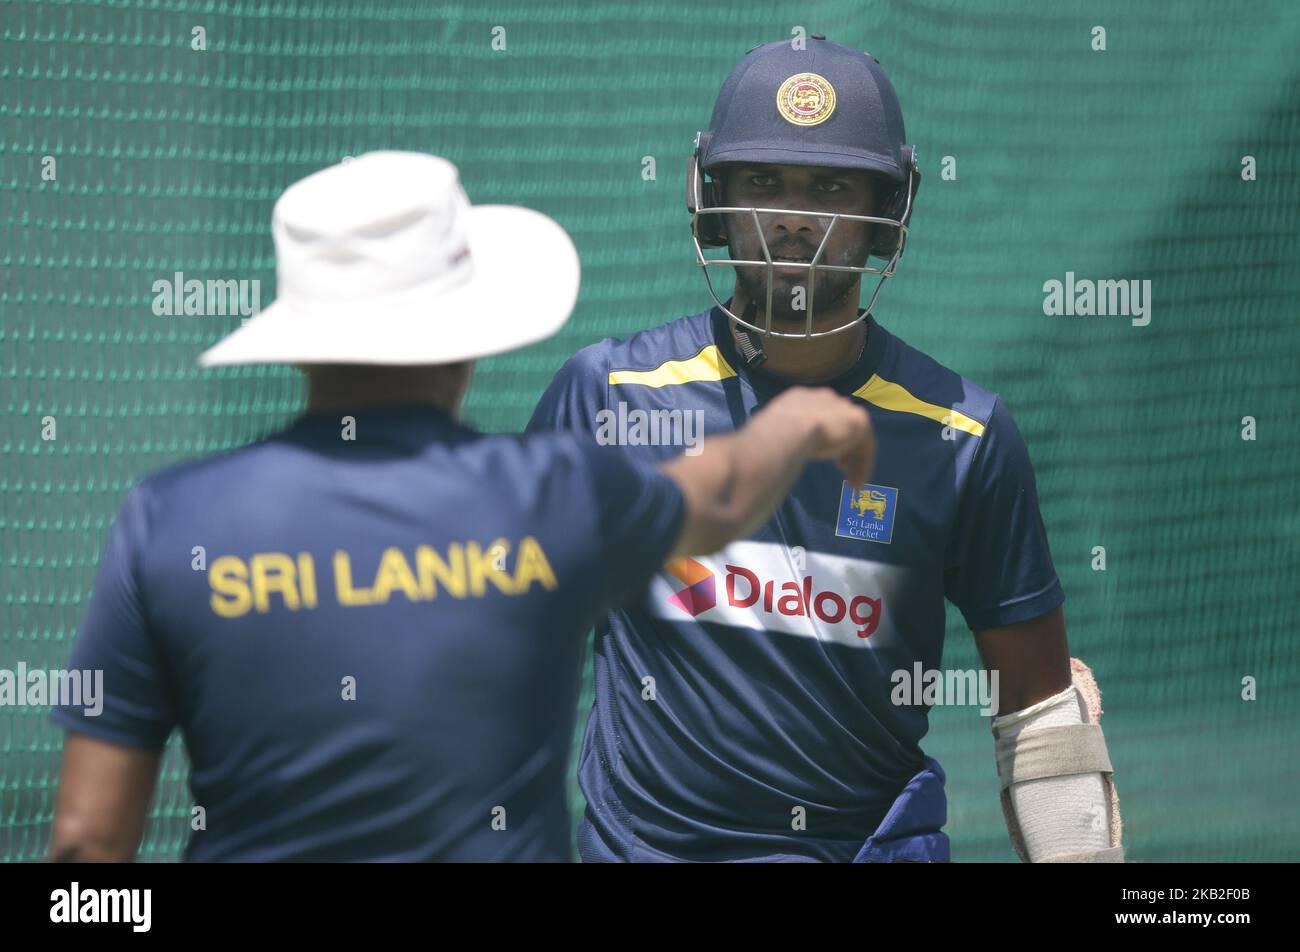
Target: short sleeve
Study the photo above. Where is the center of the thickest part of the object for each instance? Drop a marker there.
(999, 568)
(641, 512)
(575, 396)
(125, 699)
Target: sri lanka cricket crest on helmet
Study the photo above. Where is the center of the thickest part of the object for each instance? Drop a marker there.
(827, 106)
(805, 99)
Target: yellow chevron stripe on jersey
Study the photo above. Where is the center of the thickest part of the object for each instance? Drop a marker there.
(707, 365)
(891, 396)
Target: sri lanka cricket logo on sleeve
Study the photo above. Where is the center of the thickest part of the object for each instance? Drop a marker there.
(805, 99)
(867, 513)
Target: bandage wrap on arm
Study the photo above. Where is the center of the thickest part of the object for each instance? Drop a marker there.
(1058, 793)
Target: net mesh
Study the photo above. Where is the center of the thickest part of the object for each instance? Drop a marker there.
(128, 155)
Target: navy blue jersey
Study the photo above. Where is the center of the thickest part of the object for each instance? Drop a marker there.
(371, 646)
(772, 659)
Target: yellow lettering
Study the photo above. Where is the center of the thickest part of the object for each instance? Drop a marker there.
(228, 577)
(482, 566)
(430, 566)
(394, 572)
(307, 579)
(533, 567)
(343, 582)
(273, 572)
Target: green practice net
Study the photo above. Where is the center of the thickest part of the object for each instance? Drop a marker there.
(127, 155)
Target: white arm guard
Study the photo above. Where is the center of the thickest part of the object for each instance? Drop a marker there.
(1058, 797)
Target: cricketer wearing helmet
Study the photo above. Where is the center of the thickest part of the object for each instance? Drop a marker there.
(745, 703)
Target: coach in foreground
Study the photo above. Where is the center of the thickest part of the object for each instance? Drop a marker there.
(368, 627)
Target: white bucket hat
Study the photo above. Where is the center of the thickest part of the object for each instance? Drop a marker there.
(382, 260)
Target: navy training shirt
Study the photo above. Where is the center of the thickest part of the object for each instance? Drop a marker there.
(772, 659)
(375, 654)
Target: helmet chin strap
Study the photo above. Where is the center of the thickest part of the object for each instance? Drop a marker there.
(748, 343)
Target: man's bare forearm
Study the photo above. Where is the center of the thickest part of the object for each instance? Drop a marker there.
(737, 481)
(104, 795)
